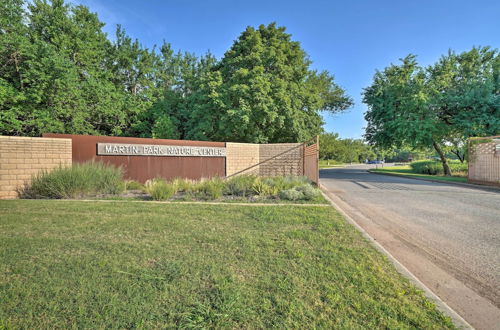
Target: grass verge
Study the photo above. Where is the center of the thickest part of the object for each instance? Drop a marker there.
(123, 265)
(407, 171)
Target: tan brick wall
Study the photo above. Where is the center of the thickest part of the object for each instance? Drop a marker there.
(484, 163)
(241, 156)
(289, 162)
(23, 157)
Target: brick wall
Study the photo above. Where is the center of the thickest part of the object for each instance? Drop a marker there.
(484, 163)
(289, 162)
(242, 156)
(23, 157)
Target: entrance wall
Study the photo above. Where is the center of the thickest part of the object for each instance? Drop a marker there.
(484, 160)
(142, 168)
(23, 157)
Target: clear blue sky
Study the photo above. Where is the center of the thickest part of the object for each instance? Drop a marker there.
(351, 38)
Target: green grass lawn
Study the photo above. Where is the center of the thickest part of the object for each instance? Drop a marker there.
(407, 171)
(76, 264)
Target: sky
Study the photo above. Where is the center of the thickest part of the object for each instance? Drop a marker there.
(350, 39)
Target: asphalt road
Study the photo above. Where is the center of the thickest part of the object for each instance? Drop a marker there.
(446, 235)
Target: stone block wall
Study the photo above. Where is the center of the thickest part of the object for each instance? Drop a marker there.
(240, 157)
(23, 157)
(484, 163)
(271, 159)
(289, 160)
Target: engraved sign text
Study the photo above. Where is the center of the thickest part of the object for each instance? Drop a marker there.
(122, 149)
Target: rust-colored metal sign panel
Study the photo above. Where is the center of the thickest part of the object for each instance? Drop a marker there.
(127, 149)
(148, 165)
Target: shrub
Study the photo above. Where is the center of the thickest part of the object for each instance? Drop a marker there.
(133, 185)
(265, 187)
(291, 194)
(295, 181)
(211, 189)
(241, 185)
(183, 185)
(77, 181)
(427, 167)
(160, 190)
(433, 167)
(309, 191)
(149, 183)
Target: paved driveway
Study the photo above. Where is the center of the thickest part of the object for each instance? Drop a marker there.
(446, 235)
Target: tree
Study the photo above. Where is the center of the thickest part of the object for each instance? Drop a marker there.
(55, 73)
(264, 91)
(454, 99)
(344, 150)
(164, 129)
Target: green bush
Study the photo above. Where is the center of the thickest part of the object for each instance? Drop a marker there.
(211, 189)
(433, 167)
(77, 181)
(133, 185)
(286, 182)
(183, 185)
(160, 189)
(259, 187)
(308, 191)
(291, 194)
(241, 185)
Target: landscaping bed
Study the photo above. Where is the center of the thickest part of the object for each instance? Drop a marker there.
(79, 264)
(101, 181)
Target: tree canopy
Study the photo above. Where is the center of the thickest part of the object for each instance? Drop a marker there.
(263, 90)
(61, 73)
(332, 147)
(439, 106)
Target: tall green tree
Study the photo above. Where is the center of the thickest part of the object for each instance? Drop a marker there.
(55, 72)
(263, 90)
(450, 101)
(332, 147)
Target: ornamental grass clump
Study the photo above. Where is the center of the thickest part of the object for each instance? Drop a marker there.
(182, 185)
(160, 190)
(133, 185)
(211, 189)
(76, 181)
(241, 185)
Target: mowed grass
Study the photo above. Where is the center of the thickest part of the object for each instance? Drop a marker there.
(407, 171)
(76, 264)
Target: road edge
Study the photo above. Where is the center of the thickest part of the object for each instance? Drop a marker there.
(442, 306)
(461, 184)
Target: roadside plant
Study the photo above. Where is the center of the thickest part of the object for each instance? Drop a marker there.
(161, 190)
(291, 194)
(241, 185)
(432, 167)
(182, 185)
(133, 185)
(211, 189)
(308, 191)
(76, 181)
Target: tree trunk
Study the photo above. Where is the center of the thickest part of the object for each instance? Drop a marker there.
(446, 167)
(460, 156)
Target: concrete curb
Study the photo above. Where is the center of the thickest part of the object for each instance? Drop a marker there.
(461, 184)
(441, 305)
